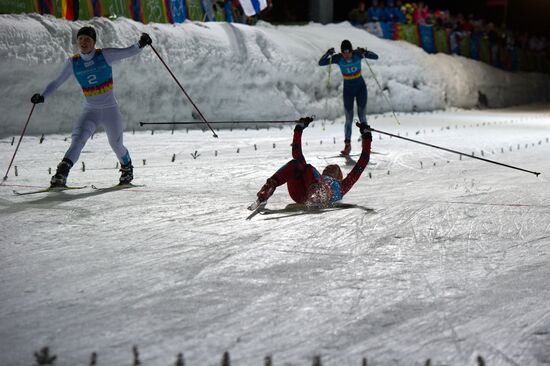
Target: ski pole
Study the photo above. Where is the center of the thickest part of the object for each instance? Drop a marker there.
(328, 87)
(19, 143)
(382, 90)
(211, 122)
(455, 152)
(184, 92)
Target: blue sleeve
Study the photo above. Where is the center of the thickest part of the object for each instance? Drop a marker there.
(371, 55)
(326, 59)
(372, 15)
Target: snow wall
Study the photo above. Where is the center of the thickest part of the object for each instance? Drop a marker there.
(235, 71)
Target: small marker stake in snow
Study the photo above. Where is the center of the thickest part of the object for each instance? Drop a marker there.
(173, 158)
(83, 167)
(144, 161)
(15, 169)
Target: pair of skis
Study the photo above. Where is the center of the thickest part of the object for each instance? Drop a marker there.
(71, 188)
(295, 209)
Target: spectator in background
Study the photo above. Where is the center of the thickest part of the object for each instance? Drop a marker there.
(375, 12)
(408, 11)
(421, 14)
(358, 16)
(394, 13)
(399, 12)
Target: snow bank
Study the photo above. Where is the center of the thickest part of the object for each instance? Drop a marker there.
(234, 71)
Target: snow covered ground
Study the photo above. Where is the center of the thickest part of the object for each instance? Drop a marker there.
(452, 263)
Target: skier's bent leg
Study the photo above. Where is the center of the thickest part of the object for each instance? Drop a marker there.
(84, 128)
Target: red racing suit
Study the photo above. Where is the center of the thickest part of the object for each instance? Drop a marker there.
(304, 181)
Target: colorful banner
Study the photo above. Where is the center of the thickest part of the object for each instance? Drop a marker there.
(409, 33)
(17, 6)
(136, 10)
(154, 11)
(45, 7)
(474, 46)
(179, 11)
(442, 41)
(115, 8)
(195, 11)
(427, 38)
(388, 30)
(485, 51)
(465, 46)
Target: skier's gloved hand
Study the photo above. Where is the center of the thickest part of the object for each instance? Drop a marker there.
(303, 122)
(364, 129)
(144, 40)
(361, 50)
(330, 52)
(37, 98)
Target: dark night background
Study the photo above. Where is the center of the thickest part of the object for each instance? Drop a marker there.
(532, 16)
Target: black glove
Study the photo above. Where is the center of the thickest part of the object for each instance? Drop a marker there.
(364, 129)
(37, 98)
(304, 122)
(361, 50)
(330, 52)
(144, 40)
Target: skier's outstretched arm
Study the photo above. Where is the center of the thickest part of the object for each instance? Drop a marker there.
(361, 164)
(66, 71)
(116, 54)
(297, 138)
(364, 53)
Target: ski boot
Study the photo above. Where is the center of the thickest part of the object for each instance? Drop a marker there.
(267, 190)
(59, 179)
(126, 173)
(347, 148)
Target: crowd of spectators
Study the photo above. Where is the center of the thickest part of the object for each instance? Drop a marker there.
(457, 26)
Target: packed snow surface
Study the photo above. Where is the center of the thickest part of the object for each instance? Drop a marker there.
(234, 71)
(445, 257)
(451, 260)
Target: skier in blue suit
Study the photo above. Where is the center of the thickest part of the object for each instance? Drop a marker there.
(349, 61)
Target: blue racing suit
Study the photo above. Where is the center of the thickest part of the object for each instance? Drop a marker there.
(354, 84)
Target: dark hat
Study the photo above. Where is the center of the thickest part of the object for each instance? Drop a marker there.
(346, 46)
(87, 31)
